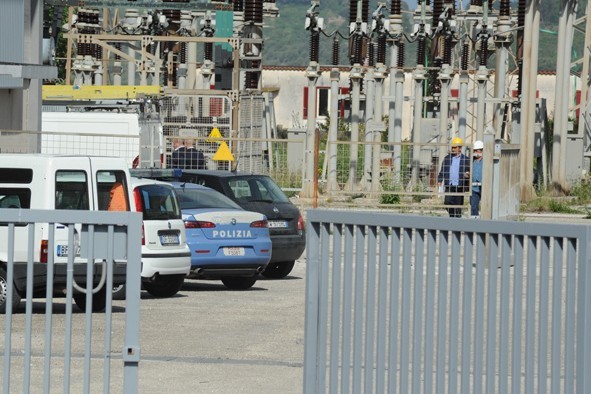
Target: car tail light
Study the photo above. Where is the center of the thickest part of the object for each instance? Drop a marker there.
(260, 224)
(137, 197)
(198, 224)
(43, 251)
(301, 224)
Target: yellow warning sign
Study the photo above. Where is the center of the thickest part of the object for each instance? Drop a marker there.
(223, 153)
(215, 135)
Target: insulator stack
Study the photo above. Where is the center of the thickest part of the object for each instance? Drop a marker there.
(152, 48)
(238, 5)
(428, 2)
(382, 49)
(208, 49)
(476, 2)
(505, 8)
(176, 1)
(421, 51)
(371, 54)
(358, 57)
(183, 53)
(365, 10)
(253, 11)
(435, 83)
(352, 11)
(314, 46)
(465, 56)
(521, 14)
(118, 47)
(172, 15)
(400, 60)
(447, 49)
(252, 77)
(483, 49)
(335, 51)
(98, 52)
(437, 10)
(173, 75)
(395, 8)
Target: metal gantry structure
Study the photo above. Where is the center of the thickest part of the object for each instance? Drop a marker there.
(455, 44)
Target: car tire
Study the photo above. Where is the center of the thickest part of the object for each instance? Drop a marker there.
(239, 283)
(16, 299)
(278, 270)
(119, 292)
(99, 300)
(165, 285)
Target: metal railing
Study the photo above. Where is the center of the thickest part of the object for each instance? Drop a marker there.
(51, 346)
(404, 304)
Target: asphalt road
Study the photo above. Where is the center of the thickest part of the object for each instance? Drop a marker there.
(206, 339)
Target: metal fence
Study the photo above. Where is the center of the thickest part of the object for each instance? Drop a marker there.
(39, 353)
(399, 303)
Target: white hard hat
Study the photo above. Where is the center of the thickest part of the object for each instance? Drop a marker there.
(478, 145)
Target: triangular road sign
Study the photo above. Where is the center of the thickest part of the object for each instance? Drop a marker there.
(215, 135)
(223, 153)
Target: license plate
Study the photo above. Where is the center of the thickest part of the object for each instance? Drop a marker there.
(169, 239)
(62, 251)
(277, 224)
(233, 251)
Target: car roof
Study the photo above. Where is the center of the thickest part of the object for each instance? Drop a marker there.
(188, 185)
(146, 181)
(222, 173)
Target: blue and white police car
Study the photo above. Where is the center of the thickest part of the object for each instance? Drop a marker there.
(227, 243)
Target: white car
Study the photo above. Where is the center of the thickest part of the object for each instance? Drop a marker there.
(166, 258)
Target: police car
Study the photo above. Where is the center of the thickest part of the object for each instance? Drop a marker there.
(227, 242)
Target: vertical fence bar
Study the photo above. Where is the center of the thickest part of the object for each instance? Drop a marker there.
(454, 311)
(347, 311)
(29, 310)
(312, 308)
(382, 303)
(394, 309)
(441, 310)
(418, 310)
(88, 311)
(479, 312)
(8, 317)
(430, 309)
(569, 317)
(69, 292)
(337, 288)
(467, 312)
(543, 315)
(583, 342)
(405, 332)
(358, 315)
(370, 306)
(517, 327)
(504, 317)
(530, 301)
(555, 362)
(49, 312)
(108, 310)
(491, 313)
(323, 302)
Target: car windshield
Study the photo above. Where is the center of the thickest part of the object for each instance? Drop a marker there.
(256, 189)
(203, 198)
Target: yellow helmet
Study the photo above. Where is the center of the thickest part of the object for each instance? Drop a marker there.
(457, 141)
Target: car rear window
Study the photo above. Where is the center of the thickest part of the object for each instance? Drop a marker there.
(256, 189)
(158, 202)
(191, 198)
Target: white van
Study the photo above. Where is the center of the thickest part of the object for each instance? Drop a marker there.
(35, 181)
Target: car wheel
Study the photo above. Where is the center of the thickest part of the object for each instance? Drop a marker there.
(119, 292)
(16, 299)
(239, 283)
(165, 286)
(99, 300)
(278, 270)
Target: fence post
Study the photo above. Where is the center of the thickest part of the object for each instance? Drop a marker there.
(488, 181)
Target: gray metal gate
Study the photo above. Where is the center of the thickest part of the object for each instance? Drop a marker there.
(52, 346)
(403, 304)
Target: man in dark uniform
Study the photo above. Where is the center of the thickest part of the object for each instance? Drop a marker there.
(194, 159)
(455, 177)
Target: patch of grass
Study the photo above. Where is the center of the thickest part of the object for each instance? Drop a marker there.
(560, 207)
